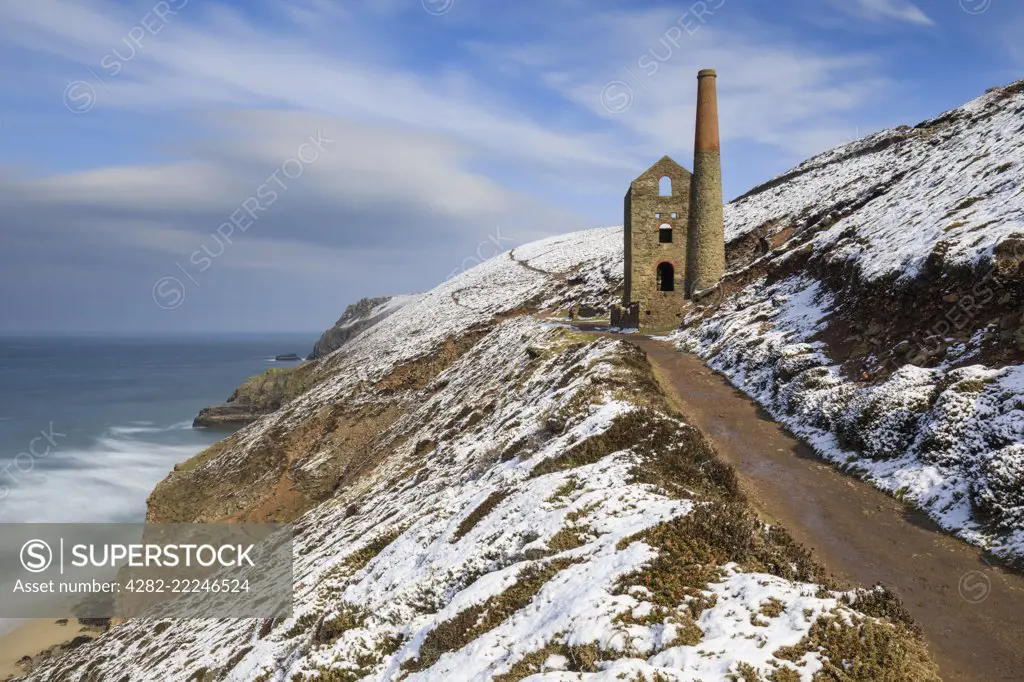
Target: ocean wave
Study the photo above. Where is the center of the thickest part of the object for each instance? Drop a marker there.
(136, 428)
(107, 482)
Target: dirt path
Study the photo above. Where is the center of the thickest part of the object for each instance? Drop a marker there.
(971, 612)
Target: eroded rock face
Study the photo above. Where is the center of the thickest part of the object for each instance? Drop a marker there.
(260, 395)
(357, 317)
(226, 416)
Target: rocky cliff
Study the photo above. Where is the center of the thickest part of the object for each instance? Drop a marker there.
(266, 392)
(357, 317)
(258, 396)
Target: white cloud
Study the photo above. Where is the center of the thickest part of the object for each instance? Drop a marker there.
(371, 188)
(773, 89)
(886, 10)
(229, 62)
(780, 92)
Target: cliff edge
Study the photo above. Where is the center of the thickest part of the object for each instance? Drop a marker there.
(268, 391)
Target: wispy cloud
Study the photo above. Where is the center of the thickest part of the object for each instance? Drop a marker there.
(369, 187)
(227, 60)
(886, 10)
(774, 90)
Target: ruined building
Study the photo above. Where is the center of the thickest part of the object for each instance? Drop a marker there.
(673, 231)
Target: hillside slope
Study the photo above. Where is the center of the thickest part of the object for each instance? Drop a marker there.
(874, 306)
(481, 495)
(347, 406)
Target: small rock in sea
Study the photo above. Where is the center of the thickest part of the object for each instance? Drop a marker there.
(289, 357)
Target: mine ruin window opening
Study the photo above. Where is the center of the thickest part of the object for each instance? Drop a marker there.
(666, 277)
(665, 186)
(665, 234)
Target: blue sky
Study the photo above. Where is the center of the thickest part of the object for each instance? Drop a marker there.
(430, 131)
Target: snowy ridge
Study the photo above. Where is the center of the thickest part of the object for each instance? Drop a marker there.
(497, 286)
(947, 435)
(393, 303)
(472, 299)
(955, 179)
(511, 531)
(358, 317)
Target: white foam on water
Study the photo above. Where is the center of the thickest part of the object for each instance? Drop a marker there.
(136, 428)
(107, 482)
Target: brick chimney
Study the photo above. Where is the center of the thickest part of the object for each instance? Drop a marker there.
(706, 233)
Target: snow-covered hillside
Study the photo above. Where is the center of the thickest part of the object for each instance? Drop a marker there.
(876, 309)
(528, 506)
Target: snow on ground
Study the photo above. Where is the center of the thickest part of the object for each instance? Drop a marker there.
(951, 441)
(500, 285)
(474, 527)
(958, 179)
(392, 304)
(474, 505)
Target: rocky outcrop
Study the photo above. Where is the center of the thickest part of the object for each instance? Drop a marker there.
(265, 393)
(357, 317)
(260, 395)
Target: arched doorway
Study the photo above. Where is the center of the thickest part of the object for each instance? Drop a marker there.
(666, 277)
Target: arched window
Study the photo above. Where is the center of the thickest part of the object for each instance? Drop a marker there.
(666, 277)
(665, 233)
(665, 186)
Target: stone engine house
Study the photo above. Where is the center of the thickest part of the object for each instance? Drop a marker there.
(656, 229)
(673, 228)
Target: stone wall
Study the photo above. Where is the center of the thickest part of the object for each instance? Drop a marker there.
(626, 317)
(645, 212)
(707, 228)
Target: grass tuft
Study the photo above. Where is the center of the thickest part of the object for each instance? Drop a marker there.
(467, 625)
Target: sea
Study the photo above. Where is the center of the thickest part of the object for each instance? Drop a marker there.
(90, 424)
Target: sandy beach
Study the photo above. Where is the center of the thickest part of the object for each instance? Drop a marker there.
(32, 637)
